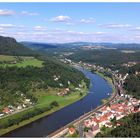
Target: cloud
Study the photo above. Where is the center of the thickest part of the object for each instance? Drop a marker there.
(7, 26)
(40, 28)
(135, 29)
(87, 21)
(115, 26)
(61, 18)
(137, 36)
(6, 12)
(29, 13)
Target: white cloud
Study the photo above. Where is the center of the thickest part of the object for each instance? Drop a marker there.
(115, 26)
(137, 36)
(90, 20)
(40, 28)
(1, 28)
(7, 25)
(61, 18)
(6, 12)
(135, 29)
(29, 13)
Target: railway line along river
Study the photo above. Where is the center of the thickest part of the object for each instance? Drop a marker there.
(99, 90)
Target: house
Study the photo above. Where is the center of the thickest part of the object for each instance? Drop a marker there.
(1, 114)
(109, 115)
(102, 120)
(95, 121)
(6, 110)
(72, 130)
(24, 105)
(119, 123)
(88, 123)
(108, 124)
(27, 100)
(19, 107)
(63, 92)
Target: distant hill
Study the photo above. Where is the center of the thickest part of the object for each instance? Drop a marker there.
(10, 46)
(39, 46)
(105, 45)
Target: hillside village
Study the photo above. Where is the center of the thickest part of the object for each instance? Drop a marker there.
(10, 109)
(109, 115)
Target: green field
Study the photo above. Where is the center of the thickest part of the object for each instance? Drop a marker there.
(7, 60)
(44, 99)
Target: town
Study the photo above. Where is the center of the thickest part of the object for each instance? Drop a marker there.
(108, 115)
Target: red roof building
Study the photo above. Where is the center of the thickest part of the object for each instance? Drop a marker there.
(6, 110)
(71, 130)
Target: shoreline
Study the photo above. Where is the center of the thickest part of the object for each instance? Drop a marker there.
(37, 117)
(109, 80)
(110, 98)
(25, 122)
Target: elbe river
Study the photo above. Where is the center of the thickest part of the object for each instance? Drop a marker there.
(99, 90)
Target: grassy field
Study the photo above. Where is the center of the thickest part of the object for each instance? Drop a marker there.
(7, 58)
(24, 62)
(44, 99)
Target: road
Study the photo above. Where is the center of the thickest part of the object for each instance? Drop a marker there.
(85, 116)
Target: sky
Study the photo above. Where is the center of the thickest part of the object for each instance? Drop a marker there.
(71, 22)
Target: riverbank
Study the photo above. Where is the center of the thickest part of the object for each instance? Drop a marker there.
(109, 80)
(67, 100)
(62, 131)
(47, 125)
(105, 101)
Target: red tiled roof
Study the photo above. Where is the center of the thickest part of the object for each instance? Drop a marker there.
(95, 120)
(108, 123)
(71, 129)
(6, 110)
(108, 114)
(103, 118)
(120, 110)
(114, 106)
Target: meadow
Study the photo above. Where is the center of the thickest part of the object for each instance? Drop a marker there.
(20, 61)
(45, 98)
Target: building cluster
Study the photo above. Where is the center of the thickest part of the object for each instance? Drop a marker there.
(129, 64)
(106, 114)
(64, 92)
(12, 109)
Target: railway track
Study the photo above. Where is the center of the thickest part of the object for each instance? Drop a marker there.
(87, 115)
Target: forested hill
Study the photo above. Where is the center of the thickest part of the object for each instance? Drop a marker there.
(22, 75)
(10, 46)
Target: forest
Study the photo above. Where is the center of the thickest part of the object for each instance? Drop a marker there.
(10, 46)
(132, 82)
(130, 127)
(104, 57)
(15, 81)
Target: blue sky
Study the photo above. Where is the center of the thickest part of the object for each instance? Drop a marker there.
(70, 22)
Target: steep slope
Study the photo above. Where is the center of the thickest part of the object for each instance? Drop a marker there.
(10, 46)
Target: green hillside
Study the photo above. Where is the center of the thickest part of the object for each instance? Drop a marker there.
(19, 61)
(11, 47)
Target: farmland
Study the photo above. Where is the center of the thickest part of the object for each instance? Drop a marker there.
(19, 61)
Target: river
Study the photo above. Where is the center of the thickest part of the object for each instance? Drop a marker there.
(99, 90)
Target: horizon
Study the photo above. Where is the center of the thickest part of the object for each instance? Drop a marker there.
(69, 22)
